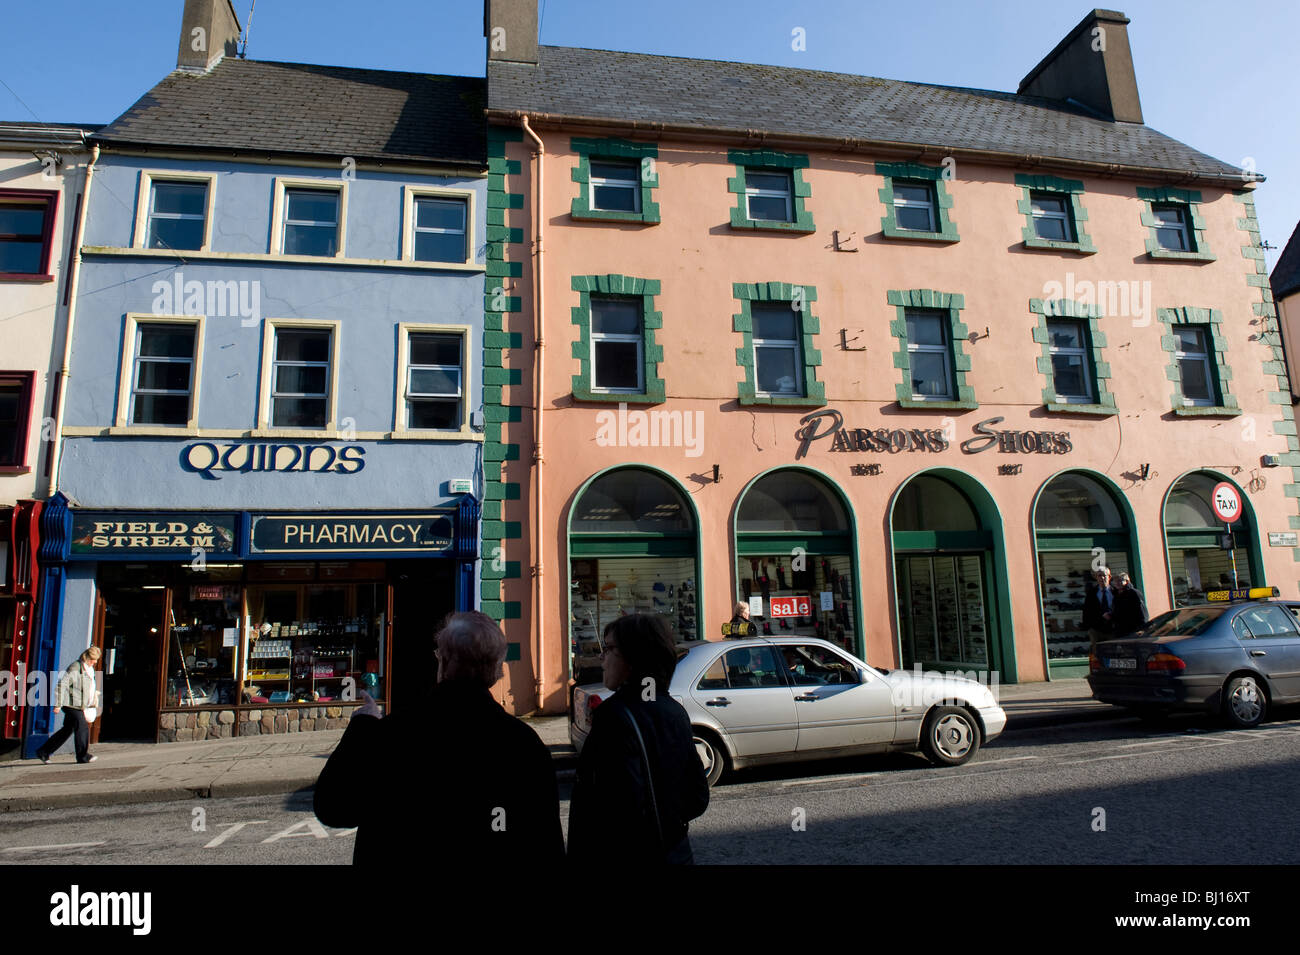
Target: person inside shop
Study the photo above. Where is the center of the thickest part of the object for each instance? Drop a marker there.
(1099, 609)
(77, 697)
(739, 617)
(1130, 608)
(454, 781)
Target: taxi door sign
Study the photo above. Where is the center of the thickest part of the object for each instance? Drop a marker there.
(791, 607)
(1226, 502)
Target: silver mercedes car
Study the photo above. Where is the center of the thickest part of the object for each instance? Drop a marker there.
(784, 699)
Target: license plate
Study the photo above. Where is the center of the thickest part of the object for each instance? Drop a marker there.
(1121, 664)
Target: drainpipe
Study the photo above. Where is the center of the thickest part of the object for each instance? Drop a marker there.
(539, 308)
(75, 265)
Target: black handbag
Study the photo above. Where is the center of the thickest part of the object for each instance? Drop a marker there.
(650, 783)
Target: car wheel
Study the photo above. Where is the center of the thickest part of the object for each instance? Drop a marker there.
(712, 756)
(1244, 703)
(950, 736)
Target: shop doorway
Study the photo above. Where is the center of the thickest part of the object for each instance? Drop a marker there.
(131, 621)
(1194, 537)
(424, 592)
(949, 579)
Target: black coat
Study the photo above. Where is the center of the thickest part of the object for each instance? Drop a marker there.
(1093, 610)
(610, 819)
(1130, 613)
(457, 779)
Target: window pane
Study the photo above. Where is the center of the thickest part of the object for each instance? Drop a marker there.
(163, 376)
(298, 413)
(440, 247)
(434, 381)
(1054, 230)
(10, 413)
(161, 409)
(310, 240)
(313, 205)
(1196, 384)
(915, 218)
(180, 198)
(440, 214)
(768, 208)
(756, 666)
(1048, 204)
(22, 219)
(925, 328)
(930, 375)
(1190, 340)
(429, 413)
(1175, 240)
(617, 365)
(435, 349)
(1168, 216)
(175, 234)
(293, 345)
(1069, 376)
(615, 317)
(776, 371)
(166, 341)
(299, 379)
(912, 193)
(625, 172)
(616, 198)
(774, 322)
(21, 257)
(768, 181)
(1065, 334)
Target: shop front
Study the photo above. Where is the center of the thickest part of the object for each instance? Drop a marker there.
(1204, 553)
(223, 624)
(19, 576)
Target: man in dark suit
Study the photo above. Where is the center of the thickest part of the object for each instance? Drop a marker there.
(1130, 609)
(1099, 609)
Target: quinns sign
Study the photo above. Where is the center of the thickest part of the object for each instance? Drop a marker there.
(895, 440)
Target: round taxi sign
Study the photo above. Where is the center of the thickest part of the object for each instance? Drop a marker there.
(1226, 502)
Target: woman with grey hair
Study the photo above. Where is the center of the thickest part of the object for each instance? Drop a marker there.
(482, 788)
(77, 697)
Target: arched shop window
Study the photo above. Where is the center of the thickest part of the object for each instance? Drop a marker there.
(794, 559)
(1079, 524)
(632, 549)
(941, 562)
(1194, 536)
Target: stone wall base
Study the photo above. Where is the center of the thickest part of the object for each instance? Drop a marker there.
(232, 723)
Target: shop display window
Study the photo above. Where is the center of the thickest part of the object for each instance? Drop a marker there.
(944, 617)
(1198, 570)
(203, 627)
(1063, 579)
(822, 586)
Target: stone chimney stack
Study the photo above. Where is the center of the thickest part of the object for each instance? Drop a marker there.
(1092, 66)
(511, 30)
(209, 30)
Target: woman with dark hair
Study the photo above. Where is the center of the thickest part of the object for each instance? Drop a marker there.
(640, 780)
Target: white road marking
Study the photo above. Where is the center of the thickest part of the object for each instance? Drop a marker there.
(66, 845)
(233, 828)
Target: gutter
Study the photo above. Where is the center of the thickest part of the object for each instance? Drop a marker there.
(75, 265)
(884, 148)
(539, 308)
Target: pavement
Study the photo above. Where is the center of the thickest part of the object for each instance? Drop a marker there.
(127, 773)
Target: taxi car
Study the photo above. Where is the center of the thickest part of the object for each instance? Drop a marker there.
(1238, 654)
(786, 699)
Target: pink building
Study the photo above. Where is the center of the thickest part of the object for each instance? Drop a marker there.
(897, 364)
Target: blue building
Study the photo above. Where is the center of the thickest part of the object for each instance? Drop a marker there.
(271, 433)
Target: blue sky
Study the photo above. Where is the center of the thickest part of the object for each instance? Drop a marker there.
(1218, 78)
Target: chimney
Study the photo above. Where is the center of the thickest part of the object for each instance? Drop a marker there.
(209, 31)
(1092, 66)
(511, 30)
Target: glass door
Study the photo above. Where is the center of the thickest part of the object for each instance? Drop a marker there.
(942, 609)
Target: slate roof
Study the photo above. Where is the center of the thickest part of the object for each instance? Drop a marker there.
(720, 95)
(299, 108)
(1286, 274)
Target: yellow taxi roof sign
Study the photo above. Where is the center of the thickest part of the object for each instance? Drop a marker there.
(1254, 593)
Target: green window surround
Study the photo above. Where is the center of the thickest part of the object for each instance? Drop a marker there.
(929, 299)
(589, 149)
(814, 395)
(1090, 315)
(1067, 188)
(627, 286)
(1212, 320)
(947, 231)
(1190, 200)
(758, 159)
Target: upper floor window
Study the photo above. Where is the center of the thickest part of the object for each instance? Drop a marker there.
(26, 232)
(15, 417)
(1195, 365)
(311, 222)
(929, 355)
(616, 180)
(769, 195)
(300, 377)
(615, 186)
(1051, 215)
(914, 206)
(1071, 371)
(162, 380)
(440, 229)
(778, 350)
(178, 215)
(434, 381)
(617, 345)
(1171, 227)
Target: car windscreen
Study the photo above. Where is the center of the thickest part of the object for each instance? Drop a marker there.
(1188, 622)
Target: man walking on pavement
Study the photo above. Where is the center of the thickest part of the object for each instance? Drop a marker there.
(77, 698)
(1099, 609)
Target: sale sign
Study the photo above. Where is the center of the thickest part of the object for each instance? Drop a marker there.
(791, 606)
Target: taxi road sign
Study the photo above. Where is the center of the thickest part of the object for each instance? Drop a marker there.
(1226, 502)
